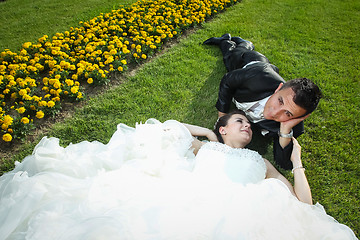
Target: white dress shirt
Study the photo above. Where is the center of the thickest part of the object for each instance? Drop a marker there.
(254, 110)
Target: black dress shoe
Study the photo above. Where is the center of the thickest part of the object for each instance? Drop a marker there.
(217, 40)
(242, 42)
(237, 40)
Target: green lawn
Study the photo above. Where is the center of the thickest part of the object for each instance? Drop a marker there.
(317, 39)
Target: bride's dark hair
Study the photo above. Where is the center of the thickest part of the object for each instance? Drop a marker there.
(223, 121)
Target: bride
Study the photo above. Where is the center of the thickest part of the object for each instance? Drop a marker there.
(156, 181)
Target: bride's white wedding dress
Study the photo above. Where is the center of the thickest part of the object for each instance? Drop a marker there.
(146, 184)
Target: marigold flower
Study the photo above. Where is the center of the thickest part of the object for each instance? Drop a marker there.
(42, 103)
(21, 110)
(90, 81)
(50, 104)
(7, 137)
(74, 89)
(22, 92)
(27, 97)
(25, 120)
(57, 84)
(8, 120)
(40, 114)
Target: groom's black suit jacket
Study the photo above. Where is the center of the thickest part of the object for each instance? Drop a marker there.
(253, 83)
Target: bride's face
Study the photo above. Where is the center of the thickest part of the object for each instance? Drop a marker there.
(237, 129)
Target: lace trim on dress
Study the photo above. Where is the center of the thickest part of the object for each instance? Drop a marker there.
(240, 152)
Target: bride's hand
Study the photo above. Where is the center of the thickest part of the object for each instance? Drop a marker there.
(296, 153)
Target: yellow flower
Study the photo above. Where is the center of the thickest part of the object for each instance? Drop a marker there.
(42, 103)
(143, 56)
(69, 82)
(57, 84)
(120, 68)
(90, 81)
(7, 137)
(8, 120)
(50, 104)
(21, 110)
(74, 89)
(25, 120)
(22, 92)
(40, 114)
(26, 45)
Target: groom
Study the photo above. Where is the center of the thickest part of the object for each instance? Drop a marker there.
(254, 85)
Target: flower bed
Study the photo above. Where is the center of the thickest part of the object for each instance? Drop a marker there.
(35, 81)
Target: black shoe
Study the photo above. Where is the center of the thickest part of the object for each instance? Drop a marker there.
(237, 40)
(242, 42)
(217, 40)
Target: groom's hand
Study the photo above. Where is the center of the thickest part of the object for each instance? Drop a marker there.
(220, 114)
(285, 127)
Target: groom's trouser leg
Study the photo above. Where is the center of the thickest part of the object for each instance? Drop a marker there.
(237, 56)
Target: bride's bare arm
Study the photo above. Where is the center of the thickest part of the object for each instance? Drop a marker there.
(197, 131)
(301, 188)
(301, 185)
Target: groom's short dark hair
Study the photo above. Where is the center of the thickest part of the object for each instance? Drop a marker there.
(307, 93)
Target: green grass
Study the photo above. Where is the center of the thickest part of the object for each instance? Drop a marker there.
(317, 39)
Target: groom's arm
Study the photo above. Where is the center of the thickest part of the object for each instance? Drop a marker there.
(282, 153)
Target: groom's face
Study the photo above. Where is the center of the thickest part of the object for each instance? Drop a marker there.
(281, 107)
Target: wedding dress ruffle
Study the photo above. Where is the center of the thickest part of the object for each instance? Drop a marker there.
(146, 183)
